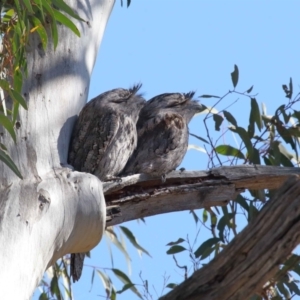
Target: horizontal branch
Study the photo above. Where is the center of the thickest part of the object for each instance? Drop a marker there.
(254, 256)
(141, 195)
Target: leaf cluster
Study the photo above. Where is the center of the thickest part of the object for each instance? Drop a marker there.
(266, 139)
(19, 19)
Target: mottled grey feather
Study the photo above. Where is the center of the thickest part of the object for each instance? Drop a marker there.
(105, 134)
(162, 134)
(103, 139)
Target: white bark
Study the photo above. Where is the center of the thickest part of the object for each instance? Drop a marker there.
(48, 214)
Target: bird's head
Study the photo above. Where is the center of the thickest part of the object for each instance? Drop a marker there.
(182, 104)
(122, 99)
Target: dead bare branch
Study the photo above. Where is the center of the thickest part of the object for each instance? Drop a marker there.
(141, 195)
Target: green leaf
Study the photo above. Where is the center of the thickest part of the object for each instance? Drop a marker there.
(204, 216)
(67, 9)
(245, 138)
(293, 287)
(288, 91)
(3, 147)
(235, 76)
(229, 151)
(253, 212)
(113, 295)
(8, 125)
(291, 87)
(92, 279)
(4, 85)
(17, 97)
(18, 7)
(296, 113)
(48, 8)
(213, 219)
(255, 158)
(209, 251)
(249, 90)
(242, 202)
(218, 121)
(258, 194)
(54, 288)
(255, 115)
(291, 262)
(132, 239)
(206, 245)
(54, 33)
(18, 81)
(113, 237)
(8, 16)
(171, 285)
(199, 138)
(286, 135)
(15, 111)
(274, 151)
(8, 161)
(43, 296)
(125, 279)
(53, 25)
(224, 221)
(230, 118)
(40, 7)
(251, 129)
(268, 161)
(38, 26)
(282, 109)
(209, 96)
(195, 217)
(283, 290)
(179, 241)
(28, 6)
(296, 268)
(294, 131)
(65, 21)
(106, 281)
(176, 249)
(125, 287)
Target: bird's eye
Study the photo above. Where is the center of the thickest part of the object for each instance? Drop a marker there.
(175, 104)
(121, 100)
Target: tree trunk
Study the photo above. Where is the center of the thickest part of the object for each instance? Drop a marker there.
(47, 215)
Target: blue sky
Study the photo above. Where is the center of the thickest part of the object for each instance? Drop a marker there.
(179, 46)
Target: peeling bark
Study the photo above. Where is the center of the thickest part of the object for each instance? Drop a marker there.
(141, 195)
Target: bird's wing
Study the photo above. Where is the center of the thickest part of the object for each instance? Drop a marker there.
(93, 133)
(164, 130)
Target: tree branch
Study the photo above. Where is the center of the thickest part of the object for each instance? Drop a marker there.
(141, 195)
(254, 256)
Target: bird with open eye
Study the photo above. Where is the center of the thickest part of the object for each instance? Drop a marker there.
(162, 134)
